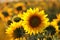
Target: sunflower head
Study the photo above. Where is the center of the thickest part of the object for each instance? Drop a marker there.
(9, 10)
(15, 30)
(17, 18)
(18, 32)
(51, 30)
(56, 21)
(19, 7)
(34, 20)
(52, 27)
(5, 14)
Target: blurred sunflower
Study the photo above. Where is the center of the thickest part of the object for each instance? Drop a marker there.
(51, 29)
(34, 21)
(17, 18)
(56, 22)
(19, 7)
(6, 14)
(15, 31)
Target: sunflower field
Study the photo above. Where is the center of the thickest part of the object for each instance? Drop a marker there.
(29, 19)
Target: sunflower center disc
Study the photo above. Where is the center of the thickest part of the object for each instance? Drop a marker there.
(17, 19)
(17, 32)
(34, 21)
(19, 8)
(5, 14)
(51, 29)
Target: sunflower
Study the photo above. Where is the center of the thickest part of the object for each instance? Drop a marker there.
(51, 29)
(15, 31)
(17, 18)
(19, 7)
(34, 21)
(56, 21)
(5, 14)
